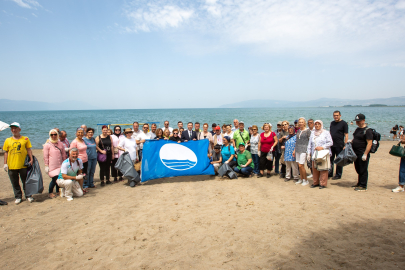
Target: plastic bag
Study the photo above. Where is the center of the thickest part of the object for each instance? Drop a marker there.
(34, 183)
(346, 157)
(270, 156)
(225, 169)
(126, 167)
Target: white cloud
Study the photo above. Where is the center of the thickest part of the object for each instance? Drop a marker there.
(157, 15)
(33, 14)
(304, 28)
(27, 3)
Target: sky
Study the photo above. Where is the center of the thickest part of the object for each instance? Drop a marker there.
(179, 54)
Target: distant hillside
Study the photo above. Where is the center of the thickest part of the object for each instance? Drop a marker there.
(394, 101)
(25, 105)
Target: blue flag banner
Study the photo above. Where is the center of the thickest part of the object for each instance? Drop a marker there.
(163, 158)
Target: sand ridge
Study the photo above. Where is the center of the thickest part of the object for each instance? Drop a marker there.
(202, 222)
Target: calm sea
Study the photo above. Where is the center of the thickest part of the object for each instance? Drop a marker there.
(36, 124)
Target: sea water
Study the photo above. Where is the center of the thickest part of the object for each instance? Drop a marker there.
(36, 124)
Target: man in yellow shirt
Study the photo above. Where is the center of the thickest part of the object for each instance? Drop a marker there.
(17, 148)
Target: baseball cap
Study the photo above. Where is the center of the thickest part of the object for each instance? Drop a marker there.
(217, 128)
(241, 122)
(360, 117)
(296, 121)
(15, 124)
(241, 144)
(279, 123)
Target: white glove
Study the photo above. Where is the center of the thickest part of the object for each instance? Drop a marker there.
(80, 176)
(259, 153)
(227, 162)
(66, 149)
(5, 167)
(46, 169)
(271, 149)
(349, 141)
(364, 158)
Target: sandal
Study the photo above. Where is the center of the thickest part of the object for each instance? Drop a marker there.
(52, 196)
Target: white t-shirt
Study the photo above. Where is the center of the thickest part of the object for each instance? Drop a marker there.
(234, 128)
(230, 135)
(170, 129)
(219, 139)
(130, 146)
(143, 136)
(70, 168)
(135, 134)
(152, 135)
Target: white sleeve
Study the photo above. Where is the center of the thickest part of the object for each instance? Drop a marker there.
(80, 164)
(122, 143)
(64, 168)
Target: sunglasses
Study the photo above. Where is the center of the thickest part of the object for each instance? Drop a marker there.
(285, 125)
(117, 129)
(254, 128)
(175, 133)
(54, 134)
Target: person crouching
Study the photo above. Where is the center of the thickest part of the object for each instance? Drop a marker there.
(71, 171)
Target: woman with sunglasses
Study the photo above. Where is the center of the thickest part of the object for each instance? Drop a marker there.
(166, 134)
(267, 142)
(159, 134)
(128, 144)
(175, 136)
(92, 158)
(254, 149)
(116, 137)
(105, 146)
(54, 155)
(79, 143)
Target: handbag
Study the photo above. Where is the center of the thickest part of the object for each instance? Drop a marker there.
(322, 160)
(269, 156)
(397, 150)
(100, 156)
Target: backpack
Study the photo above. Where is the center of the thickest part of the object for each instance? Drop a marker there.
(376, 140)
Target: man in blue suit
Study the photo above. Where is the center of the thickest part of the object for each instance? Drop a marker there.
(189, 134)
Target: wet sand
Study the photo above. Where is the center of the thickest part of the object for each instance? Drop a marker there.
(203, 222)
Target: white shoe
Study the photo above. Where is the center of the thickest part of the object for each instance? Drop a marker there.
(30, 199)
(298, 182)
(17, 201)
(309, 176)
(69, 199)
(398, 189)
(62, 192)
(305, 182)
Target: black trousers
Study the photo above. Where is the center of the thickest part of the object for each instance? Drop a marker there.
(114, 172)
(105, 168)
(85, 166)
(335, 152)
(362, 169)
(15, 176)
(265, 164)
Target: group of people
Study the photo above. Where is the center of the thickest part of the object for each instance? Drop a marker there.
(397, 132)
(287, 150)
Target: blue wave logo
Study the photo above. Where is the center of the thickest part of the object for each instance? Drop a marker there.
(177, 157)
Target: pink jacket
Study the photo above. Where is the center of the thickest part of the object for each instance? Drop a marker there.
(53, 158)
(116, 141)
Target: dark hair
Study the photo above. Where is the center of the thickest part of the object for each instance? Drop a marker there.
(224, 125)
(154, 124)
(117, 127)
(196, 123)
(310, 119)
(175, 130)
(135, 122)
(189, 123)
(90, 129)
(337, 112)
(158, 131)
(179, 122)
(103, 127)
(214, 125)
(217, 146)
(146, 124)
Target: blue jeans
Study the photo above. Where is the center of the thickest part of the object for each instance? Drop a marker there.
(256, 161)
(246, 171)
(277, 162)
(402, 172)
(91, 168)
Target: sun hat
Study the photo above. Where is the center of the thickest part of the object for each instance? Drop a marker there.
(15, 124)
(279, 123)
(128, 130)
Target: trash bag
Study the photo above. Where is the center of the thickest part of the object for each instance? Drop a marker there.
(346, 157)
(34, 183)
(126, 167)
(225, 169)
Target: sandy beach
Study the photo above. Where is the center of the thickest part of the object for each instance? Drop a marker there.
(203, 222)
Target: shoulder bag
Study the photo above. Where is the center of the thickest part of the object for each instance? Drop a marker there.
(100, 156)
(397, 150)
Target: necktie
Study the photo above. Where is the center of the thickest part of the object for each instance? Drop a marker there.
(189, 134)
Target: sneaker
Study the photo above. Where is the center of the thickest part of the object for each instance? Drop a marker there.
(398, 189)
(305, 183)
(355, 186)
(360, 189)
(108, 182)
(335, 177)
(259, 175)
(287, 179)
(314, 186)
(69, 199)
(30, 199)
(309, 176)
(62, 192)
(298, 182)
(17, 201)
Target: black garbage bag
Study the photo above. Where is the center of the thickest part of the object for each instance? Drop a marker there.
(34, 183)
(346, 157)
(126, 167)
(225, 169)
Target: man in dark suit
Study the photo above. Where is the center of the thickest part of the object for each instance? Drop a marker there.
(189, 134)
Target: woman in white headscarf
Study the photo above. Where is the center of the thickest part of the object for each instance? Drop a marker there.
(54, 155)
(320, 140)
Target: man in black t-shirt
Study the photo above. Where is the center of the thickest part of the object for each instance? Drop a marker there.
(362, 142)
(339, 131)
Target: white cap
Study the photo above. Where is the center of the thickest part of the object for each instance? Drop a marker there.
(15, 124)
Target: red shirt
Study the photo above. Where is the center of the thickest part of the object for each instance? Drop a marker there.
(266, 142)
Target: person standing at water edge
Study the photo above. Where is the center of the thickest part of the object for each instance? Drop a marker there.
(189, 134)
(236, 125)
(16, 149)
(268, 140)
(136, 130)
(213, 129)
(153, 131)
(339, 130)
(401, 176)
(54, 155)
(282, 137)
(70, 173)
(217, 140)
(289, 155)
(116, 136)
(84, 127)
(254, 149)
(241, 135)
(180, 125)
(311, 124)
(64, 141)
(362, 142)
(166, 124)
(300, 152)
(143, 137)
(79, 143)
(92, 158)
(105, 147)
(197, 129)
(128, 144)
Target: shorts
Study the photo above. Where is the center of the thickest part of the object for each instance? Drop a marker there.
(301, 158)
